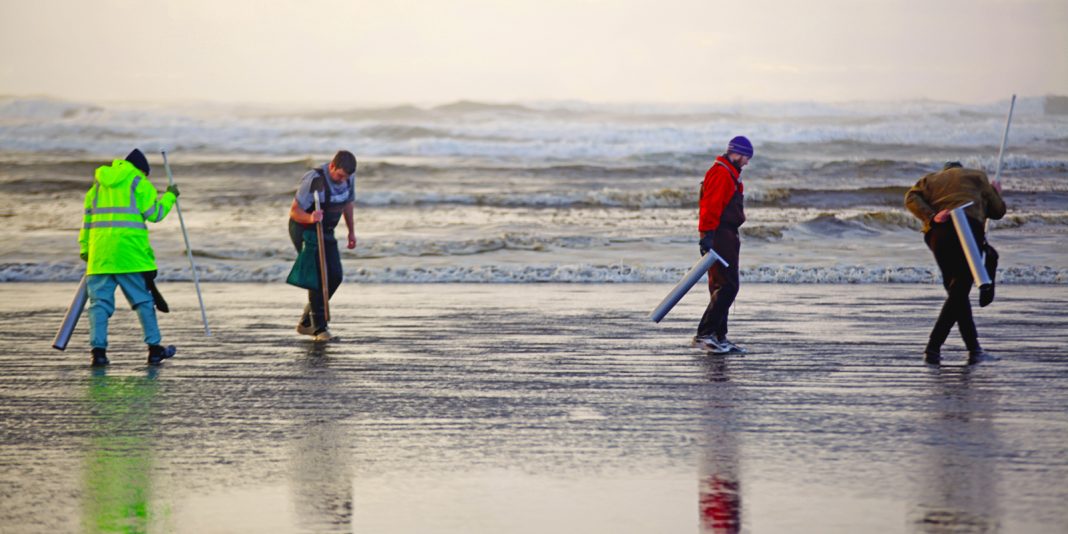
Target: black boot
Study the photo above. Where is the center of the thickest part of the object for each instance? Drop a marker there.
(100, 357)
(979, 356)
(932, 357)
(158, 353)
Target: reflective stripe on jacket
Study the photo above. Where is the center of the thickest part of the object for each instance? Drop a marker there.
(114, 233)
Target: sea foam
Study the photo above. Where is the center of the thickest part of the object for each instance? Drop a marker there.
(547, 273)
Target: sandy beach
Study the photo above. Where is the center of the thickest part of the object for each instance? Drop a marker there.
(496, 371)
(537, 408)
(530, 180)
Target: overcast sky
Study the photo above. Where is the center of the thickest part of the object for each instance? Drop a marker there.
(389, 51)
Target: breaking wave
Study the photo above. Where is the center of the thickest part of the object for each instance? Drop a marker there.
(578, 273)
(606, 198)
(891, 138)
(1018, 220)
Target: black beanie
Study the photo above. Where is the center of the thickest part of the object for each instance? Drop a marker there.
(139, 160)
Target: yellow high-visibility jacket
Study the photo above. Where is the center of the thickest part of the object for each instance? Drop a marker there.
(117, 208)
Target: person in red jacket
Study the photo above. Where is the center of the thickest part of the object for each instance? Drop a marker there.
(722, 213)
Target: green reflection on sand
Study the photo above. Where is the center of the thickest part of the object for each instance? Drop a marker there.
(119, 457)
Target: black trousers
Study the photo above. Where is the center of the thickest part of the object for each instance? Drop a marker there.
(333, 270)
(957, 279)
(723, 283)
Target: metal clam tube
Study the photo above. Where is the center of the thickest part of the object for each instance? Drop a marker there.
(322, 263)
(70, 320)
(696, 272)
(971, 248)
(188, 249)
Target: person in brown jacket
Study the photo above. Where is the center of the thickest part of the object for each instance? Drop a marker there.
(931, 200)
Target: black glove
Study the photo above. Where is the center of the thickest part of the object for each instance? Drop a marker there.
(706, 243)
(173, 189)
(84, 256)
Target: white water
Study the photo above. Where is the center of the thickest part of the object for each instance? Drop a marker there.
(544, 192)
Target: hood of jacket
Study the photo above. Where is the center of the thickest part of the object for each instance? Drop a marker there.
(120, 173)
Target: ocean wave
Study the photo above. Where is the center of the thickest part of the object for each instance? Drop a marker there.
(605, 198)
(609, 169)
(470, 247)
(406, 132)
(861, 225)
(827, 198)
(1013, 220)
(667, 197)
(12, 108)
(373, 170)
(856, 112)
(244, 254)
(889, 170)
(577, 273)
(829, 225)
(864, 167)
(879, 134)
(887, 220)
(414, 248)
(409, 112)
(864, 225)
(763, 232)
(46, 186)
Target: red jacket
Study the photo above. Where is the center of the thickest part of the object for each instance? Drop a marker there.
(719, 187)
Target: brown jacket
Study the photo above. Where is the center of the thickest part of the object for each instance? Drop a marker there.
(950, 188)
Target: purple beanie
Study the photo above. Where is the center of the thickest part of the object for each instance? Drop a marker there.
(741, 146)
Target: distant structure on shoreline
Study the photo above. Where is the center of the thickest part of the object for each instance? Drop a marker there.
(1056, 105)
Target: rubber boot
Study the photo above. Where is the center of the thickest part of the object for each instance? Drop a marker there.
(932, 357)
(158, 353)
(100, 357)
(980, 356)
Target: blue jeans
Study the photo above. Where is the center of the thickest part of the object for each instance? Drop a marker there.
(101, 289)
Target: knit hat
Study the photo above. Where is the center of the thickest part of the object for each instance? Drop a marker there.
(741, 146)
(139, 160)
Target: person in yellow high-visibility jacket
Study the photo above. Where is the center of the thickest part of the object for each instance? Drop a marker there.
(114, 244)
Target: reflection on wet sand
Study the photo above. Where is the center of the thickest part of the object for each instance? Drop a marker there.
(720, 495)
(320, 472)
(119, 455)
(958, 485)
(485, 409)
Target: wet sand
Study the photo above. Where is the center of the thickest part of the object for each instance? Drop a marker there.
(537, 408)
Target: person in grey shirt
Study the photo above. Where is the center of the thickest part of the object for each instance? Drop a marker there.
(336, 184)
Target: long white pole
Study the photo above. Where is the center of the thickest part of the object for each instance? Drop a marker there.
(1001, 158)
(1004, 140)
(188, 249)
